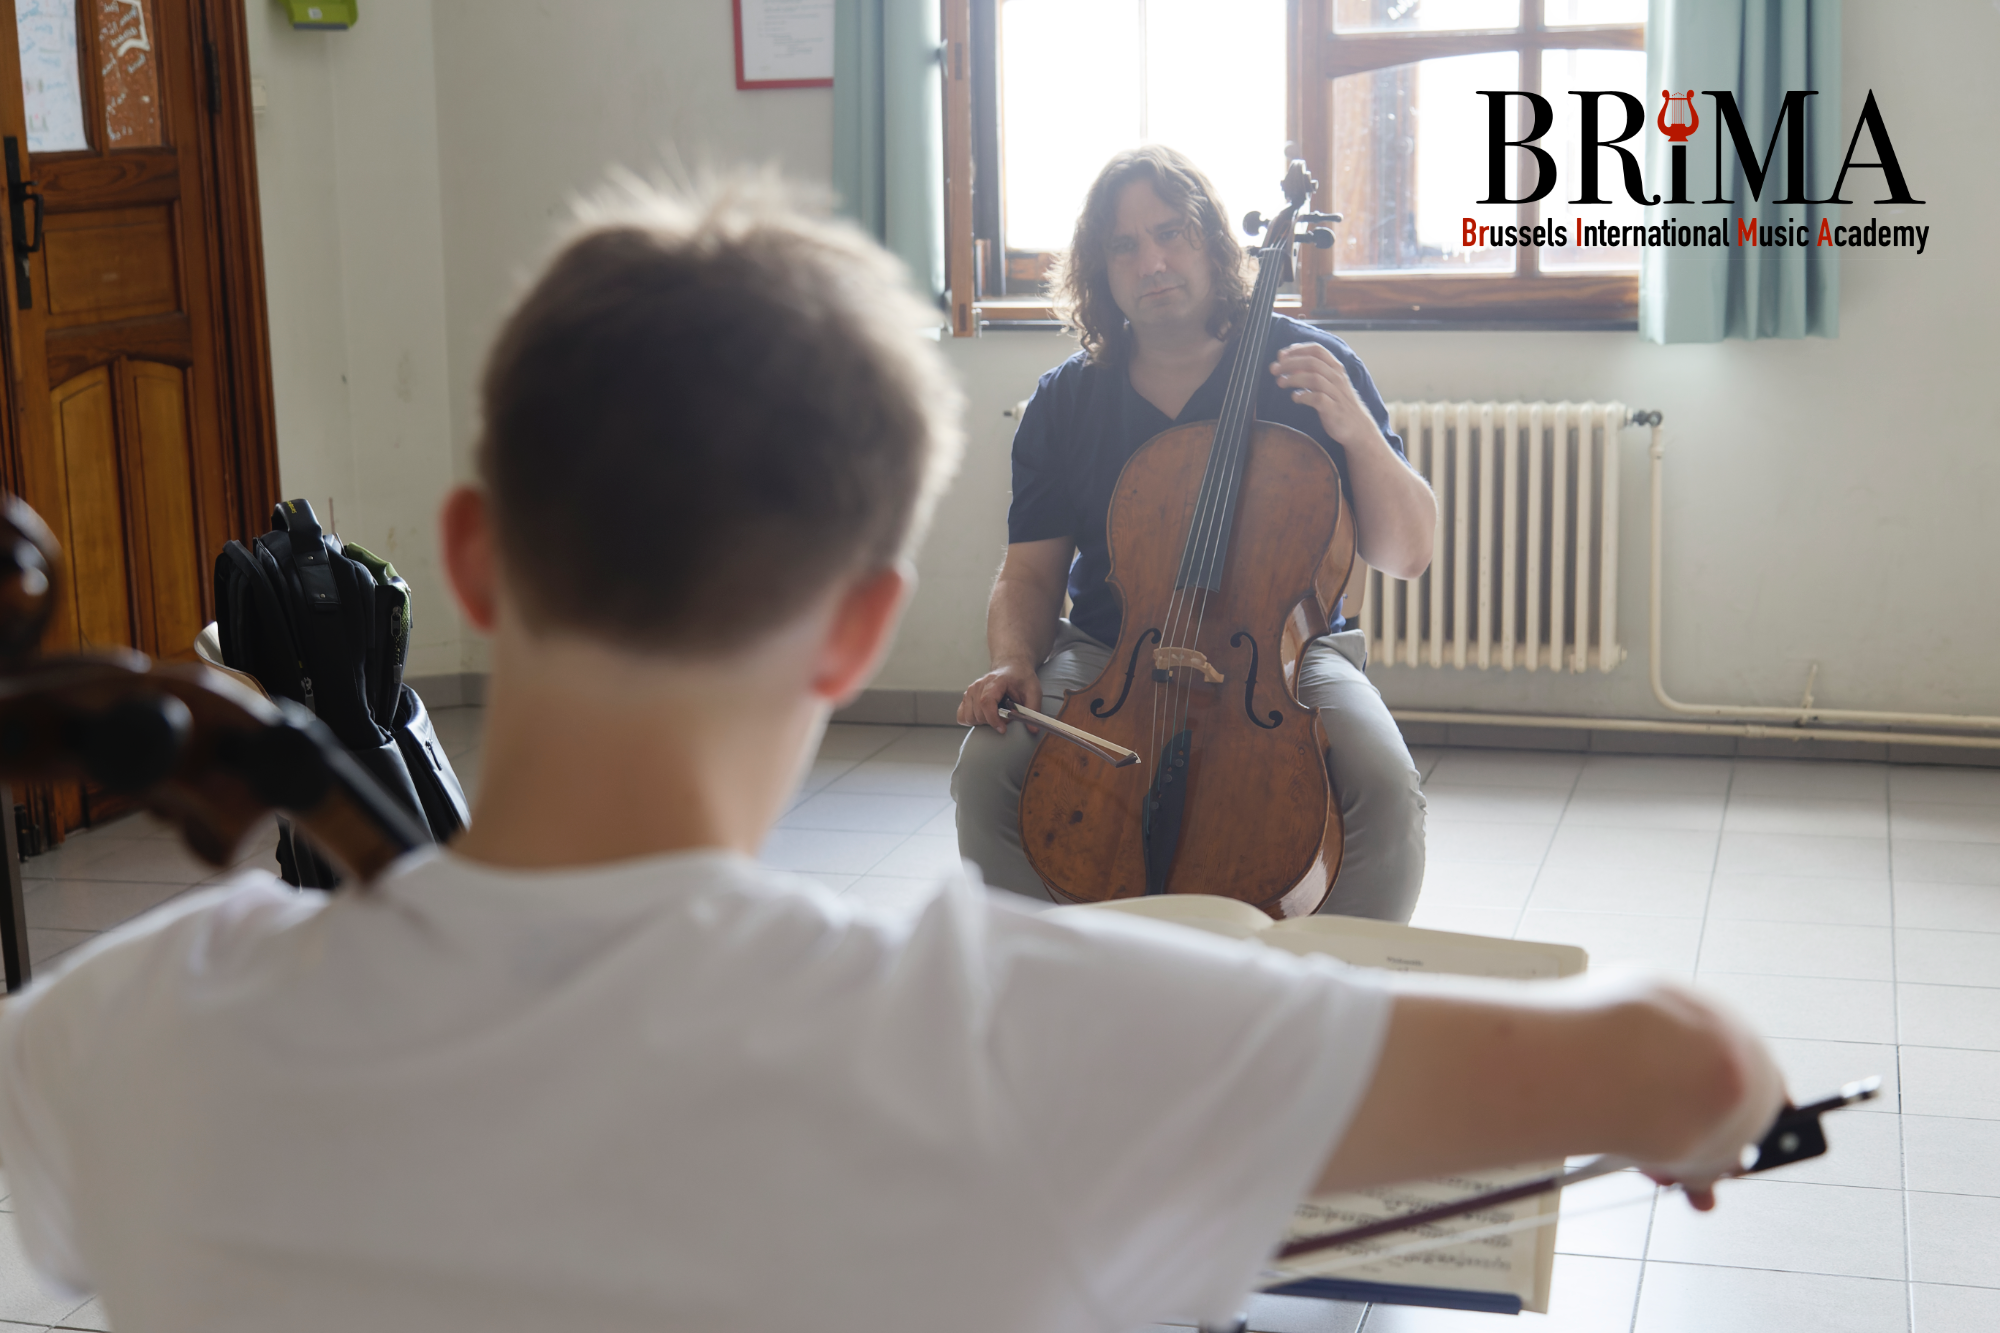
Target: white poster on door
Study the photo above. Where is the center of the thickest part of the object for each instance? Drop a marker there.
(50, 90)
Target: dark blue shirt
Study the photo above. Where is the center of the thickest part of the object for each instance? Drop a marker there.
(1085, 421)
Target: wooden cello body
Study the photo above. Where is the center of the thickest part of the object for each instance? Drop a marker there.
(1218, 531)
(1257, 821)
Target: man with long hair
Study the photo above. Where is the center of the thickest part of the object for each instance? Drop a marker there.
(1154, 285)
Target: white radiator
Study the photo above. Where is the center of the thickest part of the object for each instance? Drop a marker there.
(1524, 567)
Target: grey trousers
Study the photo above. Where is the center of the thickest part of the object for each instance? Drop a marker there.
(1381, 803)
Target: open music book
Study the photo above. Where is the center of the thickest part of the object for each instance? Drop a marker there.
(1503, 1273)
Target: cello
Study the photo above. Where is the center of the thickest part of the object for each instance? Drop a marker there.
(1221, 533)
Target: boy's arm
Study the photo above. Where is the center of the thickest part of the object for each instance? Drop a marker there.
(1474, 1076)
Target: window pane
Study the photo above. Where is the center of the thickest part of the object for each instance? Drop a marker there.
(130, 74)
(1624, 71)
(1575, 13)
(1083, 79)
(1424, 15)
(1233, 126)
(50, 90)
(1405, 181)
(1070, 99)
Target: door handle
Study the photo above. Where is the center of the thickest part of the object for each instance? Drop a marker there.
(20, 193)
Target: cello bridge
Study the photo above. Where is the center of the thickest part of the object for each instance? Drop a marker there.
(1166, 659)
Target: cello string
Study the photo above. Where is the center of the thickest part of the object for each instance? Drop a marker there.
(1225, 452)
(1188, 604)
(1210, 509)
(1228, 453)
(1232, 435)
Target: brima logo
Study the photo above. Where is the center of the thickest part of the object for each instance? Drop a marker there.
(1678, 130)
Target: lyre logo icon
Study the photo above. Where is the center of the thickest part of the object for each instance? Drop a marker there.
(1682, 127)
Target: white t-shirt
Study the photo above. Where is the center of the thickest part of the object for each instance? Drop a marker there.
(684, 1093)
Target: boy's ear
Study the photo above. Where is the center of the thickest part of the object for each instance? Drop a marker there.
(469, 558)
(862, 628)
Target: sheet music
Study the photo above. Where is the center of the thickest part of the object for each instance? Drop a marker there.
(1521, 1262)
(1399, 948)
(1509, 1263)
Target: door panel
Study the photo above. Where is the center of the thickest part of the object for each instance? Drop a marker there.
(111, 264)
(154, 416)
(137, 358)
(96, 555)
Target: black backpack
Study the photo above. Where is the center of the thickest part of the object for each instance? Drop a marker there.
(327, 624)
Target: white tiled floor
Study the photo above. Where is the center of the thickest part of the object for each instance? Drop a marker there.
(1853, 910)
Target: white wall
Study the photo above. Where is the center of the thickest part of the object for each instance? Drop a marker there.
(347, 162)
(1827, 498)
(536, 101)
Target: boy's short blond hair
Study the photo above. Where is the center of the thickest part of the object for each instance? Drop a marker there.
(714, 402)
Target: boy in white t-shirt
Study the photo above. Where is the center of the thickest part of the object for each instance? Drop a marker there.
(596, 1069)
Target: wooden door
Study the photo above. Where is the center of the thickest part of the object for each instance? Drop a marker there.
(136, 340)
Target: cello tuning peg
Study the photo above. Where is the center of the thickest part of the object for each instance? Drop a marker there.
(1316, 218)
(1321, 237)
(1253, 223)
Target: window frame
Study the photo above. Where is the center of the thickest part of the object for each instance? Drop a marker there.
(1316, 55)
(1319, 56)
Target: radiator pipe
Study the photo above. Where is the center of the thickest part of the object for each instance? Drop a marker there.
(1799, 715)
(1795, 717)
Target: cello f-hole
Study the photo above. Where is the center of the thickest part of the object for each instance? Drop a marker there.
(1097, 708)
(1250, 684)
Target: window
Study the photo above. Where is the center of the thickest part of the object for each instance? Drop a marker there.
(1382, 99)
(1390, 97)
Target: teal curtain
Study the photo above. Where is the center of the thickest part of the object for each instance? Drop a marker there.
(1759, 50)
(888, 128)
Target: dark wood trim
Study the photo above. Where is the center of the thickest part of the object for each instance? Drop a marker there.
(168, 338)
(1313, 112)
(125, 178)
(1582, 296)
(13, 906)
(960, 263)
(229, 170)
(1038, 310)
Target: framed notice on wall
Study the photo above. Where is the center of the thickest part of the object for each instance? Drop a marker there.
(784, 43)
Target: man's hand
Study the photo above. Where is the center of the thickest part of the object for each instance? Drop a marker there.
(1395, 515)
(1317, 379)
(981, 705)
(1020, 626)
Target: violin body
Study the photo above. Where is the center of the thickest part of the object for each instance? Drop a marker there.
(1253, 816)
